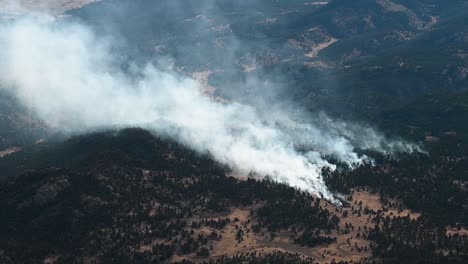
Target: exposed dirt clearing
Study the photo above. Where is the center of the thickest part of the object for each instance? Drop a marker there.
(205, 88)
(317, 48)
(54, 7)
(202, 79)
(9, 151)
(373, 202)
(262, 242)
(455, 231)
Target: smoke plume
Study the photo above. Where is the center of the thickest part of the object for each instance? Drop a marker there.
(69, 77)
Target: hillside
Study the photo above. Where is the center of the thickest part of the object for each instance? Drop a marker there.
(131, 192)
(135, 198)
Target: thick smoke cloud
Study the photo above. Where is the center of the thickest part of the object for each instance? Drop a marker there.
(70, 79)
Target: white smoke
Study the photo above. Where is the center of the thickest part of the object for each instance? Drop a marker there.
(70, 79)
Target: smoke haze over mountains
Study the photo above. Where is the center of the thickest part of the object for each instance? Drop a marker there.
(70, 78)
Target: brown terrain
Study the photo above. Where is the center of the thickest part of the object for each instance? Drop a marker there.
(239, 237)
(202, 79)
(55, 7)
(9, 151)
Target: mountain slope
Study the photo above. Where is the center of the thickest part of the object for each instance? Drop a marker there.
(129, 194)
(131, 197)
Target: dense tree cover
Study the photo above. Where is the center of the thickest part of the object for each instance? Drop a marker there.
(430, 184)
(404, 240)
(433, 184)
(108, 195)
(119, 192)
(282, 214)
(131, 197)
(103, 197)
